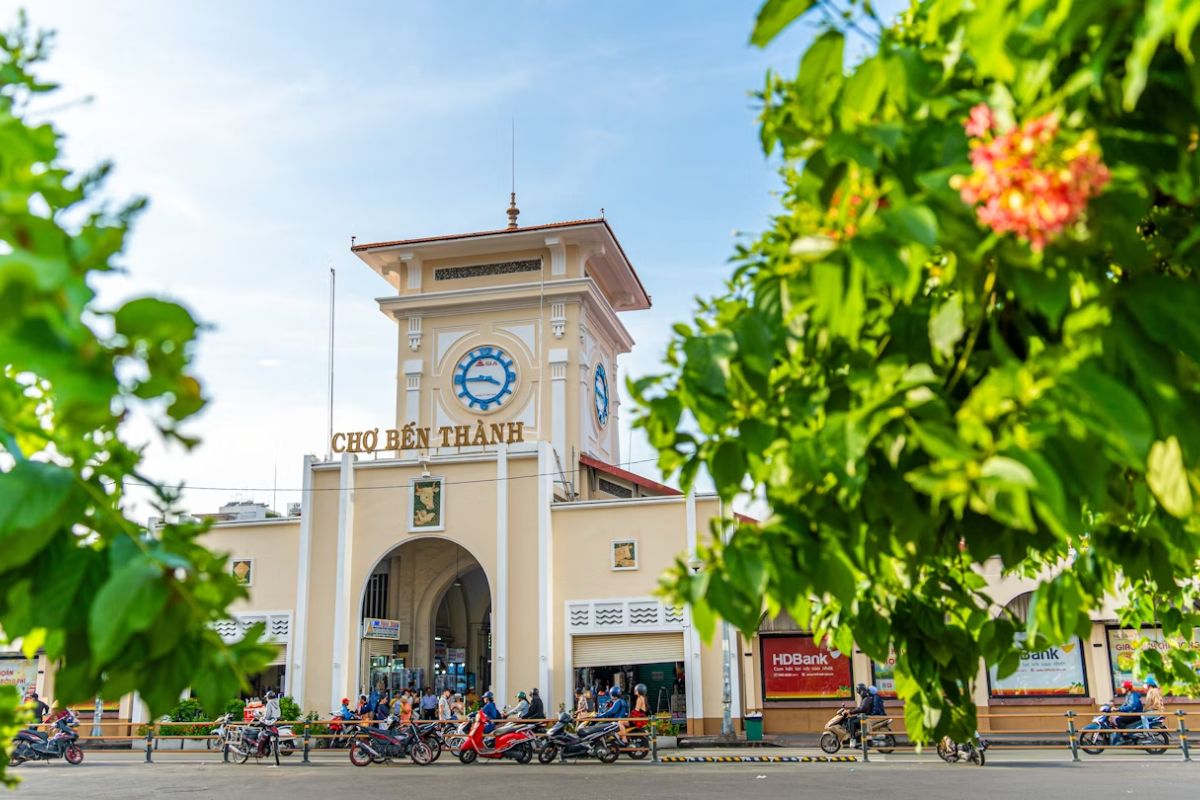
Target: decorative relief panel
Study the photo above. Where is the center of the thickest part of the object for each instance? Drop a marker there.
(483, 270)
(642, 613)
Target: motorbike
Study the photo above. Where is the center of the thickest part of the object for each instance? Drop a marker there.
(1103, 732)
(61, 742)
(218, 735)
(952, 752)
(837, 733)
(341, 731)
(256, 740)
(516, 744)
(433, 735)
(371, 745)
(597, 740)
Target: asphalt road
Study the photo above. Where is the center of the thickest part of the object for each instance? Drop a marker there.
(1009, 776)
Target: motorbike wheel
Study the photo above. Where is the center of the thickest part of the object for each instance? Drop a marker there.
(976, 757)
(14, 760)
(242, 755)
(830, 743)
(359, 755)
(286, 748)
(885, 744)
(1090, 740)
(547, 754)
(1160, 741)
(275, 750)
(638, 753)
(467, 756)
(607, 752)
(74, 754)
(523, 753)
(946, 750)
(421, 753)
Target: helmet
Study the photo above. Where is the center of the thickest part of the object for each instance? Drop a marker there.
(861, 689)
(345, 701)
(271, 695)
(488, 696)
(639, 689)
(872, 690)
(615, 692)
(520, 695)
(1127, 686)
(534, 691)
(1151, 682)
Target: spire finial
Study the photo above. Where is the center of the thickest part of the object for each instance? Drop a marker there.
(513, 211)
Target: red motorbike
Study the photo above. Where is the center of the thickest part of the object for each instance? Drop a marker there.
(516, 744)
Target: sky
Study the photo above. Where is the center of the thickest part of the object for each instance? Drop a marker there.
(267, 134)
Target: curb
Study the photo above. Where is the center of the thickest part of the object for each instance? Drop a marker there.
(757, 759)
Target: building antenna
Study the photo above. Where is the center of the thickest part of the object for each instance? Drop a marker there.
(332, 292)
(513, 211)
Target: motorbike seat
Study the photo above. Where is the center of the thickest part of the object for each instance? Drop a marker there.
(32, 736)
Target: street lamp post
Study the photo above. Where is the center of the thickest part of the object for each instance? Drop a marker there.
(727, 687)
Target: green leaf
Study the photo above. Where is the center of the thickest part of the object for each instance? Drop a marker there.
(1168, 479)
(728, 467)
(946, 327)
(864, 89)
(912, 223)
(820, 75)
(32, 495)
(127, 604)
(1111, 412)
(774, 16)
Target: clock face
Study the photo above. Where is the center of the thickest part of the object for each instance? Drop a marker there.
(600, 393)
(485, 378)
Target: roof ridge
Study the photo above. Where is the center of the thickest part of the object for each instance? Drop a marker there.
(493, 232)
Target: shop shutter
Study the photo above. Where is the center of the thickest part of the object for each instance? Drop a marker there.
(379, 647)
(626, 648)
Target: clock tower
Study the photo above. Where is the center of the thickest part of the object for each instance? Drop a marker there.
(511, 327)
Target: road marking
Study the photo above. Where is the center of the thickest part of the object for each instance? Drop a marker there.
(758, 759)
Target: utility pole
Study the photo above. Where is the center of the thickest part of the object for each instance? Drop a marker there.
(727, 684)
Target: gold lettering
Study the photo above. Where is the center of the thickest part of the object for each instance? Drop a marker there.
(370, 440)
(445, 431)
(497, 433)
(462, 435)
(480, 434)
(393, 439)
(516, 432)
(408, 439)
(422, 438)
(338, 448)
(354, 442)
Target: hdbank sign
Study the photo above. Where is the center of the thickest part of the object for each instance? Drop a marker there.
(1053, 672)
(796, 667)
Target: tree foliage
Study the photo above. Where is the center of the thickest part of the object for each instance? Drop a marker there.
(119, 608)
(954, 350)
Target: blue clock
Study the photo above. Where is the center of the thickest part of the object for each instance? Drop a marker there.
(600, 393)
(485, 378)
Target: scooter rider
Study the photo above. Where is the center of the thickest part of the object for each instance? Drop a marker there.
(271, 712)
(536, 710)
(1131, 709)
(519, 711)
(490, 711)
(617, 708)
(865, 706)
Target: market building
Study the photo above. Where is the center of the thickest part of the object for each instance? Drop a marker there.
(488, 537)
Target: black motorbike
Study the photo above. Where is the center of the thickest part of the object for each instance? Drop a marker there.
(61, 742)
(258, 741)
(594, 740)
(371, 745)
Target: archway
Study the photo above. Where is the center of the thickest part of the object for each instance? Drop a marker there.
(425, 620)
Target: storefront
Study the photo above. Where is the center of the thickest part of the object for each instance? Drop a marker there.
(19, 671)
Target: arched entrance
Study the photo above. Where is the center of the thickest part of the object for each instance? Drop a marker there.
(425, 620)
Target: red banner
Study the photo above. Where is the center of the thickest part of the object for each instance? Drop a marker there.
(797, 668)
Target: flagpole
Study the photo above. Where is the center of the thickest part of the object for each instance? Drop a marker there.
(332, 292)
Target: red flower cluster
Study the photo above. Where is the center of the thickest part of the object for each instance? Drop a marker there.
(1026, 180)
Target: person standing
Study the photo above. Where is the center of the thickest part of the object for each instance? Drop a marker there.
(445, 706)
(429, 704)
(40, 709)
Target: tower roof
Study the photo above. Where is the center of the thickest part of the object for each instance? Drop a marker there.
(612, 268)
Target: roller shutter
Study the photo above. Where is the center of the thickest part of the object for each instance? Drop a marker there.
(280, 656)
(626, 648)
(378, 647)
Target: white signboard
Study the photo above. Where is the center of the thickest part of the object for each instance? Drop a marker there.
(1053, 672)
(19, 672)
(381, 628)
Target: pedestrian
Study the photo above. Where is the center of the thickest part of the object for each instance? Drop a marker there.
(406, 708)
(471, 699)
(429, 704)
(39, 710)
(383, 709)
(446, 706)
